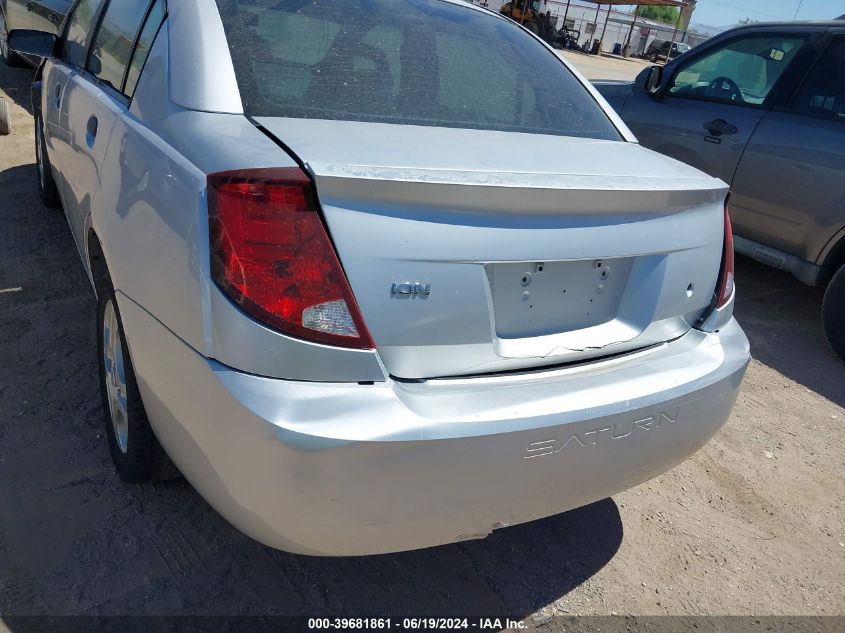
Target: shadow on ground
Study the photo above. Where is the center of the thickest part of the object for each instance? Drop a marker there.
(74, 540)
(782, 318)
(16, 82)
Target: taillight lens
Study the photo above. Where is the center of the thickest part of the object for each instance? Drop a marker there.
(726, 276)
(271, 254)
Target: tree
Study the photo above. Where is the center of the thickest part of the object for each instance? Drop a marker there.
(745, 21)
(667, 15)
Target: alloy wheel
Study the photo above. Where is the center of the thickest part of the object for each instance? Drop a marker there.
(115, 377)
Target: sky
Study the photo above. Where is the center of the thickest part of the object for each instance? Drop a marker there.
(727, 12)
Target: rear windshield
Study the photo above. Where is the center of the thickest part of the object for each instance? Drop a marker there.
(418, 62)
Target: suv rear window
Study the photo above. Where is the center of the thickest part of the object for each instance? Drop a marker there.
(418, 62)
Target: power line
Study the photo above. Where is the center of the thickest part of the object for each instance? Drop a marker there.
(732, 5)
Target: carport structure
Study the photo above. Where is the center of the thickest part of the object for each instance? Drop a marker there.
(612, 3)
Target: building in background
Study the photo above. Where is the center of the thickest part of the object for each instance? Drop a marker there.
(589, 21)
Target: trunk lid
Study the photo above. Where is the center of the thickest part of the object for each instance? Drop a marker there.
(475, 252)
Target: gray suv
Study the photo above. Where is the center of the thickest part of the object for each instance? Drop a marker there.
(763, 108)
(41, 15)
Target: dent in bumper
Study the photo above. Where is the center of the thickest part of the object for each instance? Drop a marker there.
(336, 469)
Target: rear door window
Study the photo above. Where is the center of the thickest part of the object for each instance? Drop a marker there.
(823, 92)
(80, 26)
(115, 40)
(742, 71)
(427, 63)
(142, 48)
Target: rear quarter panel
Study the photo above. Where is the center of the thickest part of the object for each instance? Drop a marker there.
(151, 217)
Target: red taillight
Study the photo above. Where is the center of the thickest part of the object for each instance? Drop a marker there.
(271, 254)
(726, 276)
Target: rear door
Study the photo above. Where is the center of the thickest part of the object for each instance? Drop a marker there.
(803, 206)
(93, 101)
(712, 101)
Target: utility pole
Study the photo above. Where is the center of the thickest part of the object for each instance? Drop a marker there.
(604, 29)
(631, 31)
(565, 13)
(595, 29)
(674, 34)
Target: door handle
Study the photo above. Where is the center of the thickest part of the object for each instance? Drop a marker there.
(91, 131)
(58, 95)
(29, 6)
(719, 127)
(53, 18)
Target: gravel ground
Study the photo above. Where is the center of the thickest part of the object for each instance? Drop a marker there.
(605, 67)
(752, 524)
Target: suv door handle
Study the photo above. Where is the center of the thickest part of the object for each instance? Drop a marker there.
(58, 95)
(91, 131)
(718, 127)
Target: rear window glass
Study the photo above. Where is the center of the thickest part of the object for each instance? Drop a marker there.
(823, 93)
(418, 62)
(142, 48)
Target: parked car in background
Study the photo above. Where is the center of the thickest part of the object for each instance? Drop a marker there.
(41, 15)
(369, 284)
(664, 50)
(763, 108)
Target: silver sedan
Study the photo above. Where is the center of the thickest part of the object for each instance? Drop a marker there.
(369, 284)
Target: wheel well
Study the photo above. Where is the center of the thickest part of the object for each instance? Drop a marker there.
(96, 259)
(835, 260)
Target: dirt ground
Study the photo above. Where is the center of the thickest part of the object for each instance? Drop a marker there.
(752, 524)
(605, 67)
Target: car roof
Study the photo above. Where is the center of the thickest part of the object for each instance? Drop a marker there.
(784, 24)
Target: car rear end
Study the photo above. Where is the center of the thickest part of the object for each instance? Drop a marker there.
(457, 302)
(678, 48)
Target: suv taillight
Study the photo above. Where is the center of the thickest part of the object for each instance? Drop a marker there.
(726, 277)
(271, 254)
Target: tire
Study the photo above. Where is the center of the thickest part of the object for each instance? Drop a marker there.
(47, 190)
(833, 312)
(9, 57)
(135, 451)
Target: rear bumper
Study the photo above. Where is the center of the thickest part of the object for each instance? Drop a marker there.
(348, 469)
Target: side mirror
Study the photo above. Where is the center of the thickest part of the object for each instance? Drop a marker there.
(653, 79)
(95, 66)
(34, 43)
